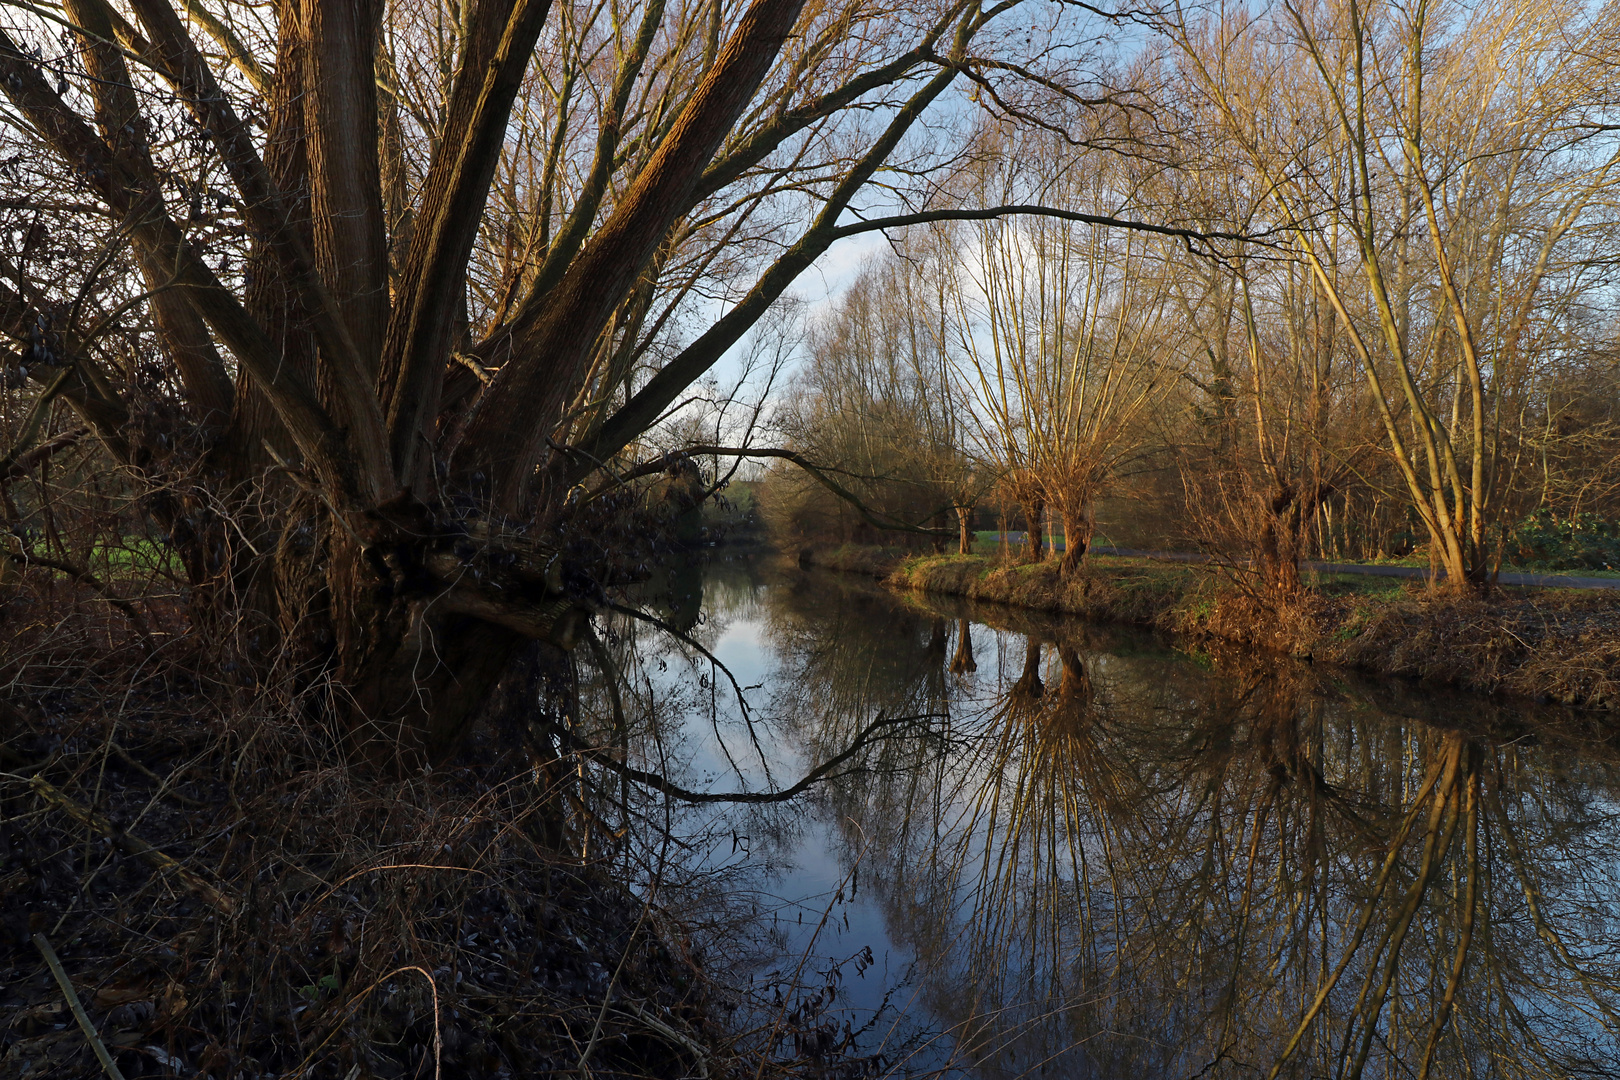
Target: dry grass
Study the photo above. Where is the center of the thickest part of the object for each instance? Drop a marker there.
(301, 920)
(1130, 591)
(1554, 645)
(1557, 645)
(231, 898)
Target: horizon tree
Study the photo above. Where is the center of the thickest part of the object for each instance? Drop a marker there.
(1062, 333)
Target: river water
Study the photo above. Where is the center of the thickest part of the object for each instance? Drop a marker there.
(1072, 850)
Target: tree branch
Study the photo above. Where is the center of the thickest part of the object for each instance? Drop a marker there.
(453, 200)
(141, 208)
(817, 472)
(821, 772)
(529, 395)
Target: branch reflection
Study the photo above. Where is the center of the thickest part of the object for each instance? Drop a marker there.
(1119, 861)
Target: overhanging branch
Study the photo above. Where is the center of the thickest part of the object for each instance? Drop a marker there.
(876, 519)
(824, 771)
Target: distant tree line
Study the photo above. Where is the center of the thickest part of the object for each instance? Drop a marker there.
(1380, 322)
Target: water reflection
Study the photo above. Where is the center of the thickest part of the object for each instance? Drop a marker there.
(1114, 860)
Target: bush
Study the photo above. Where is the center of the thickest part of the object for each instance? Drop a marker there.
(1583, 541)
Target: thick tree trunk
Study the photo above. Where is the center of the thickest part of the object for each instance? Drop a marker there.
(1029, 683)
(1078, 526)
(962, 662)
(1281, 539)
(1035, 537)
(1075, 687)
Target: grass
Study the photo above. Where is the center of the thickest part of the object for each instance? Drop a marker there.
(135, 556)
(1559, 645)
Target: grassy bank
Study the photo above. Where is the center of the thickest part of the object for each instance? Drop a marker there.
(1549, 645)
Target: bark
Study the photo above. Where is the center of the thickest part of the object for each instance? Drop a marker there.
(1078, 526)
(527, 399)
(345, 177)
(1035, 535)
(118, 116)
(1286, 512)
(964, 521)
(422, 330)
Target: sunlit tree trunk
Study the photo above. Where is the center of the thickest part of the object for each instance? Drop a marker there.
(1079, 523)
(1035, 534)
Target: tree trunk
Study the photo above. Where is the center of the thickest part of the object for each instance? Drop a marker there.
(1078, 526)
(1282, 539)
(962, 662)
(1035, 537)
(964, 522)
(1075, 688)
(1029, 683)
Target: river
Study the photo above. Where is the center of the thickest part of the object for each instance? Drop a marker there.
(1073, 850)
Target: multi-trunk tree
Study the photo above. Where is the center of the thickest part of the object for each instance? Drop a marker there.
(1443, 172)
(1062, 330)
(410, 278)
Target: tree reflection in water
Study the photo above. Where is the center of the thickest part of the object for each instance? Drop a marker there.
(1117, 861)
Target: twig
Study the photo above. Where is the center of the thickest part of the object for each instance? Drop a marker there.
(72, 996)
(438, 1038)
(36, 419)
(667, 787)
(138, 848)
(658, 1027)
(817, 473)
(43, 451)
(86, 578)
(163, 782)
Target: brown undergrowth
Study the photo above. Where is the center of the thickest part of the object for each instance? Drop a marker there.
(230, 898)
(1549, 645)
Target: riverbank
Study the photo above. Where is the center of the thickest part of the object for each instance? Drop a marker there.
(1548, 645)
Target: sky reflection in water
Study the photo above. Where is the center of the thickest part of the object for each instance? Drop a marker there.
(1102, 857)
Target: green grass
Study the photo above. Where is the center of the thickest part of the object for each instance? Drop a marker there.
(135, 556)
(993, 537)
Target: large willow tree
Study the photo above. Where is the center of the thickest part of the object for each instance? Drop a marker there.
(407, 280)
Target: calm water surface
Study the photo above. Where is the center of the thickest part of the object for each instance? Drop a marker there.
(1067, 850)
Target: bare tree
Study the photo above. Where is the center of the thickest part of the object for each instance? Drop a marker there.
(417, 273)
(1445, 158)
(877, 403)
(1062, 330)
